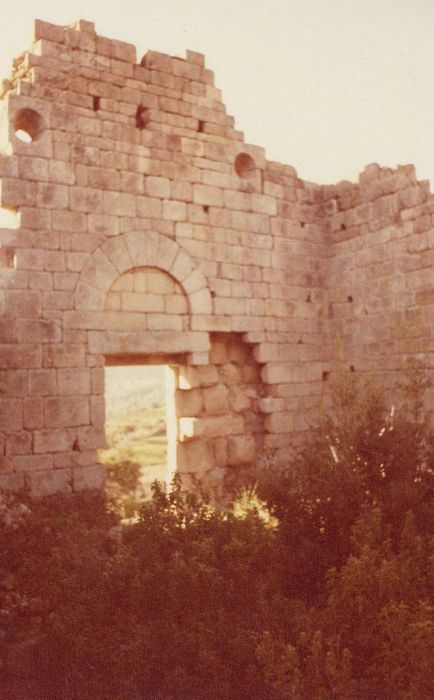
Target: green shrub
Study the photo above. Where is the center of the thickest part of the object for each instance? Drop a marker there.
(363, 452)
(179, 604)
(330, 597)
(373, 635)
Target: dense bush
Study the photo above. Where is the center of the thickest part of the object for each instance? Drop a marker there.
(364, 452)
(332, 599)
(173, 611)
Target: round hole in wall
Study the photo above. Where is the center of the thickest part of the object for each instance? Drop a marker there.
(245, 166)
(28, 125)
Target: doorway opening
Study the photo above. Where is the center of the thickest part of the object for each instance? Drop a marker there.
(141, 430)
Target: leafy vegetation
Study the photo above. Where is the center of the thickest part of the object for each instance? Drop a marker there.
(329, 596)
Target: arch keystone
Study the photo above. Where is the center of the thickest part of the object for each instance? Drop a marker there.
(143, 247)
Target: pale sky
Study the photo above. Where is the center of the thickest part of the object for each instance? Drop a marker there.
(327, 86)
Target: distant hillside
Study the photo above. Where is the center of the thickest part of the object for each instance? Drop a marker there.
(136, 420)
(133, 388)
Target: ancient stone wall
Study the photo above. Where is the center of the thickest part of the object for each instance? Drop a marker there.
(139, 225)
(380, 271)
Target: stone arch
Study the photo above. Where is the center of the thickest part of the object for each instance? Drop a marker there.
(140, 249)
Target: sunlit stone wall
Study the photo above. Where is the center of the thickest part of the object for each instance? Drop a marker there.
(139, 224)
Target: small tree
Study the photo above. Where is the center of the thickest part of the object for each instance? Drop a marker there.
(362, 452)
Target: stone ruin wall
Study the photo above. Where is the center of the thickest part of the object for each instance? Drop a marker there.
(140, 227)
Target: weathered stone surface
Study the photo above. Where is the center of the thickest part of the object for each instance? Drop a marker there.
(191, 377)
(216, 400)
(118, 342)
(89, 477)
(241, 449)
(189, 403)
(211, 426)
(195, 457)
(143, 228)
(43, 483)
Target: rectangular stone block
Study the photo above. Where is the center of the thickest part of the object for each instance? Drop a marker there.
(70, 221)
(132, 301)
(164, 322)
(44, 483)
(33, 168)
(51, 32)
(18, 444)
(43, 382)
(38, 331)
(216, 400)
(230, 307)
(271, 405)
(33, 413)
(52, 196)
(211, 323)
(194, 457)
(276, 373)
(240, 397)
(176, 305)
(11, 482)
(15, 193)
(279, 423)
(8, 331)
(207, 195)
(157, 186)
(241, 449)
(66, 411)
(40, 280)
(201, 302)
(73, 381)
(182, 191)
(188, 403)
(89, 477)
(64, 355)
(97, 411)
(210, 427)
(124, 342)
(53, 440)
(193, 377)
(29, 463)
(86, 200)
(174, 211)
(149, 207)
(263, 204)
(11, 414)
(23, 303)
(131, 182)
(60, 172)
(33, 218)
(91, 438)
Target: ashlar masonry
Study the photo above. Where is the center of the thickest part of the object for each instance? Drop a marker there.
(138, 226)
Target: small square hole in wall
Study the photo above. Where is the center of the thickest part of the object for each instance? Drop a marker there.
(142, 117)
